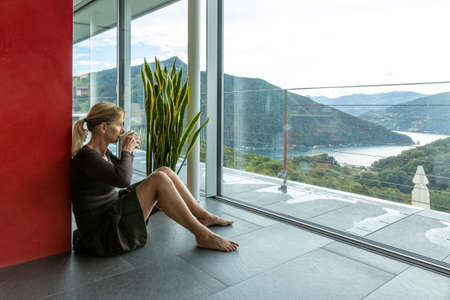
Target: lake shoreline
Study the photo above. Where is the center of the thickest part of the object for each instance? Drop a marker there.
(361, 155)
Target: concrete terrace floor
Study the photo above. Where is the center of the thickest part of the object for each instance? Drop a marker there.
(421, 231)
(275, 260)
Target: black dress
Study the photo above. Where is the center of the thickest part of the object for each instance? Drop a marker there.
(109, 222)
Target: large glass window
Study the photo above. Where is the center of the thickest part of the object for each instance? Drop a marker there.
(369, 160)
(157, 30)
(94, 74)
(163, 34)
(94, 56)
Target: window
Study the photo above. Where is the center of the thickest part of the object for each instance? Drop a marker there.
(299, 141)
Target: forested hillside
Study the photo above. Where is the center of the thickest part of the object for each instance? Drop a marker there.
(357, 104)
(425, 114)
(253, 114)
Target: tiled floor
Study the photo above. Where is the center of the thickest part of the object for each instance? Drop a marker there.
(274, 261)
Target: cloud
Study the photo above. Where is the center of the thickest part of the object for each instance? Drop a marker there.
(166, 32)
(87, 63)
(137, 61)
(77, 56)
(166, 28)
(319, 43)
(306, 43)
(107, 38)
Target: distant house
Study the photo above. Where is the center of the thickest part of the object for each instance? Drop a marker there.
(322, 165)
(76, 78)
(82, 91)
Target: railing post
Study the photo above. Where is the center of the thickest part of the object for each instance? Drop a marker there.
(420, 194)
(283, 173)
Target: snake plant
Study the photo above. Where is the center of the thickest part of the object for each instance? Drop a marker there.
(166, 99)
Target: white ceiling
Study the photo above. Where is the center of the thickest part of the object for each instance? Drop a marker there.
(75, 2)
(104, 12)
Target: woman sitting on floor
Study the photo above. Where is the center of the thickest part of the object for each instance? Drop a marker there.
(111, 222)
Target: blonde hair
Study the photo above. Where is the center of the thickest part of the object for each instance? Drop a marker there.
(100, 112)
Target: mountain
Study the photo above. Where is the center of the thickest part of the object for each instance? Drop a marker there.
(253, 114)
(256, 116)
(358, 104)
(426, 114)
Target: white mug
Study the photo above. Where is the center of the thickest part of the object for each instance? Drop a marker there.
(123, 136)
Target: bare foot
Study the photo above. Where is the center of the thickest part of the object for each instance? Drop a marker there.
(216, 242)
(210, 220)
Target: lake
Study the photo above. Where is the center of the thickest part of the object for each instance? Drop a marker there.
(360, 156)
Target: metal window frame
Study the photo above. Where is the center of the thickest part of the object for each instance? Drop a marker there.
(214, 75)
(354, 240)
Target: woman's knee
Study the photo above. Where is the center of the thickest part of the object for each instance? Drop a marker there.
(157, 177)
(165, 170)
(154, 183)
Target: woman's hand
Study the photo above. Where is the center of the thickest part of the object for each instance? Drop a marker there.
(131, 141)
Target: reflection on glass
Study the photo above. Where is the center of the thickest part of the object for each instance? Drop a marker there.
(162, 34)
(252, 124)
(94, 56)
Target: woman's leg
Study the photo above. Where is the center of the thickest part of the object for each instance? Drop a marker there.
(159, 187)
(197, 210)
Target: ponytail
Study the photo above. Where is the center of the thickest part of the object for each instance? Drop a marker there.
(79, 135)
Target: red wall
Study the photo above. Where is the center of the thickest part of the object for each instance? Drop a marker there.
(35, 130)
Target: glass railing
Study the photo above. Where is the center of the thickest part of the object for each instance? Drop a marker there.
(372, 161)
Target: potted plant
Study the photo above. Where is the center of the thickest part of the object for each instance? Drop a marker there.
(168, 136)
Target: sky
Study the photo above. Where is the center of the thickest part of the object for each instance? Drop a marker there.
(297, 44)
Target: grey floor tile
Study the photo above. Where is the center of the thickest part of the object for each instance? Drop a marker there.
(447, 260)
(316, 275)
(239, 227)
(230, 174)
(170, 278)
(414, 283)
(261, 198)
(168, 238)
(400, 207)
(258, 251)
(418, 234)
(55, 274)
(359, 218)
(163, 242)
(251, 217)
(435, 214)
(308, 209)
(230, 189)
(369, 258)
(217, 207)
